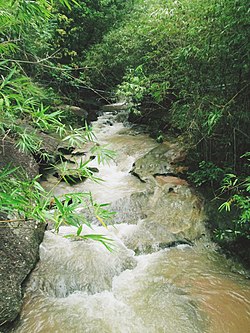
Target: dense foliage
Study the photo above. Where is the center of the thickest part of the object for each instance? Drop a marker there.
(181, 65)
(28, 112)
(184, 66)
(25, 200)
(81, 26)
(65, 39)
(192, 55)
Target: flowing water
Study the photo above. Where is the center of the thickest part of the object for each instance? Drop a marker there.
(143, 285)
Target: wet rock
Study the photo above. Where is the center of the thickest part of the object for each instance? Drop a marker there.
(161, 160)
(92, 268)
(161, 246)
(66, 150)
(18, 242)
(108, 122)
(84, 150)
(177, 214)
(70, 178)
(165, 214)
(71, 173)
(76, 110)
(49, 144)
(115, 107)
(10, 155)
(78, 152)
(19, 248)
(49, 152)
(162, 180)
(131, 208)
(68, 158)
(168, 211)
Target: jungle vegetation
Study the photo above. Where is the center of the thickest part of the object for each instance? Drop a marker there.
(182, 66)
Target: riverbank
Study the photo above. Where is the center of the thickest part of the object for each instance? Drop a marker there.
(21, 234)
(20, 240)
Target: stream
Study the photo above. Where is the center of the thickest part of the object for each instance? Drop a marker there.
(164, 275)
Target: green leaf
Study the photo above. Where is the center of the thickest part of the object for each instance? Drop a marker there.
(59, 205)
(225, 206)
(79, 230)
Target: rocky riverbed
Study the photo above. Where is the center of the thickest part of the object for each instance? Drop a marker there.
(164, 273)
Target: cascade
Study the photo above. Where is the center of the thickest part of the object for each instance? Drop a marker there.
(164, 274)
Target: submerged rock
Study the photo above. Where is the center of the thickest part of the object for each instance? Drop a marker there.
(69, 266)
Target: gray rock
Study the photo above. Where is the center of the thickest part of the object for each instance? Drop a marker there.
(50, 144)
(115, 107)
(19, 253)
(9, 155)
(80, 112)
(160, 217)
(161, 160)
(19, 243)
(169, 211)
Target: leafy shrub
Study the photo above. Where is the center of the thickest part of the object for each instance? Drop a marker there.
(237, 190)
(25, 110)
(207, 174)
(25, 200)
(196, 51)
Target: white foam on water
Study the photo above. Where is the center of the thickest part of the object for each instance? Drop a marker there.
(81, 287)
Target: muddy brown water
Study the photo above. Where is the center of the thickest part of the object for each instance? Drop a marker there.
(80, 287)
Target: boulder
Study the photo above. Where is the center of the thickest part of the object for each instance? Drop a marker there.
(76, 110)
(162, 180)
(10, 155)
(19, 242)
(161, 160)
(170, 213)
(115, 107)
(19, 252)
(50, 144)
